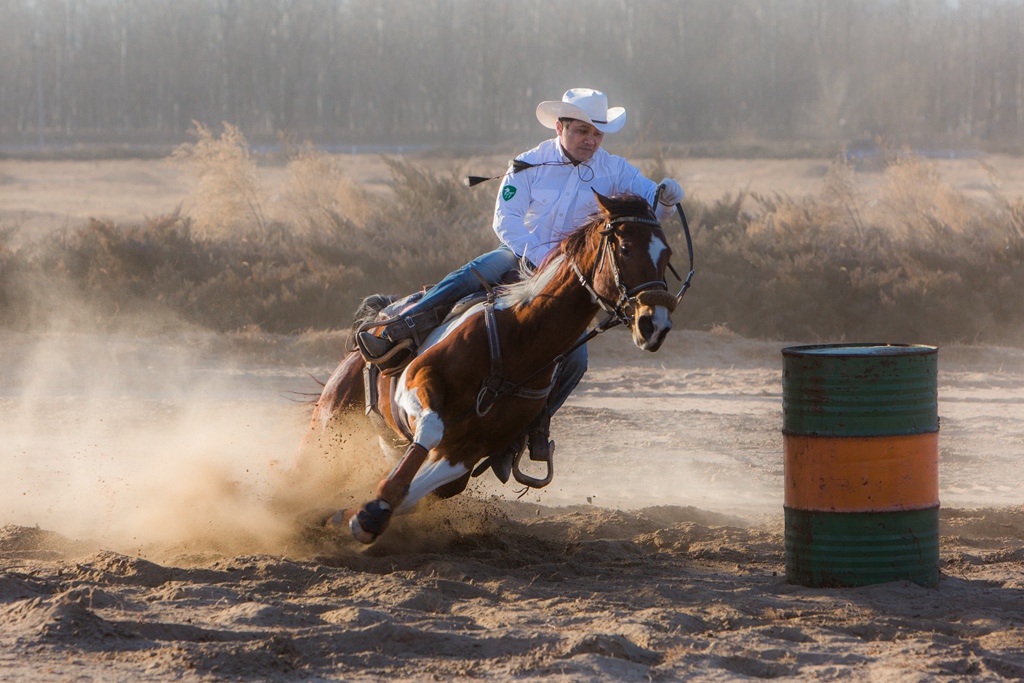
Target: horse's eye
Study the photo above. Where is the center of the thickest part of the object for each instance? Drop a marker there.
(624, 249)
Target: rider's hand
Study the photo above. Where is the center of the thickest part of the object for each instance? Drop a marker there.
(671, 192)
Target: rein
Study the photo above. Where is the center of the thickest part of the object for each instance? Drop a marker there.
(689, 247)
(496, 386)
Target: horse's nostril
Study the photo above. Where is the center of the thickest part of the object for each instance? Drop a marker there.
(645, 326)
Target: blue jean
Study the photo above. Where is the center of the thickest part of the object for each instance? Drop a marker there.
(492, 266)
(573, 368)
(463, 282)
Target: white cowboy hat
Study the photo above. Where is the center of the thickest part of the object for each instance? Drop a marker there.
(583, 104)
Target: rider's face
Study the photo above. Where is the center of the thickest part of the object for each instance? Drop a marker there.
(579, 139)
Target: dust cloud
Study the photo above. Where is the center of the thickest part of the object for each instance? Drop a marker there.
(134, 441)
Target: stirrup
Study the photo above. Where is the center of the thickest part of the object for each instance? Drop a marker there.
(534, 482)
(388, 356)
(541, 448)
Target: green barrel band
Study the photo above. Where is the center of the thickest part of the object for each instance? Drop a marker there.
(860, 390)
(827, 549)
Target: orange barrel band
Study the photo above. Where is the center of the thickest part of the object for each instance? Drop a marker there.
(861, 474)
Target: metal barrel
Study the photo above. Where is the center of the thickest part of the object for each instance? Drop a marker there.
(860, 437)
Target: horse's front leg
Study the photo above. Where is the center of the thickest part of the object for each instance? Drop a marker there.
(409, 481)
(370, 520)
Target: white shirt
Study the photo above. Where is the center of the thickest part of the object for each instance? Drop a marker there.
(538, 207)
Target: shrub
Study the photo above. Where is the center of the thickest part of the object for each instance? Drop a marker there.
(928, 265)
(938, 269)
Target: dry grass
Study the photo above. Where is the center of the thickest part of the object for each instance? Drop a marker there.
(227, 263)
(922, 264)
(916, 199)
(226, 198)
(321, 198)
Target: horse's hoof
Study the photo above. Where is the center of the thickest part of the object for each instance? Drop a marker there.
(371, 521)
(359, 533)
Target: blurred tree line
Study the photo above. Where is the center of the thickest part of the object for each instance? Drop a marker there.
(927, 72)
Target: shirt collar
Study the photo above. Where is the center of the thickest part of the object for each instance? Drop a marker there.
(561, 150)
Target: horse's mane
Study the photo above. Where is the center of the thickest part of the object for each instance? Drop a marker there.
(574, 245)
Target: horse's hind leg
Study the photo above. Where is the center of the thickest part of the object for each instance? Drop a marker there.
(307, 483)
(343, 390)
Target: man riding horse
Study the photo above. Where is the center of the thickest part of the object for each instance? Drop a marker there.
(546, 193)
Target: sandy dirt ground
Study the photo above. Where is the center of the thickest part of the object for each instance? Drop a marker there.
(144, 536)
(151, 528)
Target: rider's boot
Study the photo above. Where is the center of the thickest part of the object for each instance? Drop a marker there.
(536, 438)
(383, 352)
(374, 346)
(392, 345)
(501, 463)
(538, 434)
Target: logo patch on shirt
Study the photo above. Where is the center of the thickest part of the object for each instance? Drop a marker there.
(508, 192)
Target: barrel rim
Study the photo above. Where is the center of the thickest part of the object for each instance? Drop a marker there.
(860, 350)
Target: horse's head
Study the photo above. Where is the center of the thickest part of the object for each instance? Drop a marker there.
(628, 273)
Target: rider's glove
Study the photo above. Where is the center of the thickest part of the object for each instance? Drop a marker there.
(671, 193)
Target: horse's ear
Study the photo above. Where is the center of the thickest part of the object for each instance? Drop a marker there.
(603, 202)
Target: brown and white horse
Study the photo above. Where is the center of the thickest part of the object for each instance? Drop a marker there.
(448, 402)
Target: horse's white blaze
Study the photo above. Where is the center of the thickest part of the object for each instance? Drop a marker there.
(656, 249)
(661, 319)
(433, 474)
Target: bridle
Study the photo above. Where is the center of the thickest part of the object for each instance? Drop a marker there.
(623, 309)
